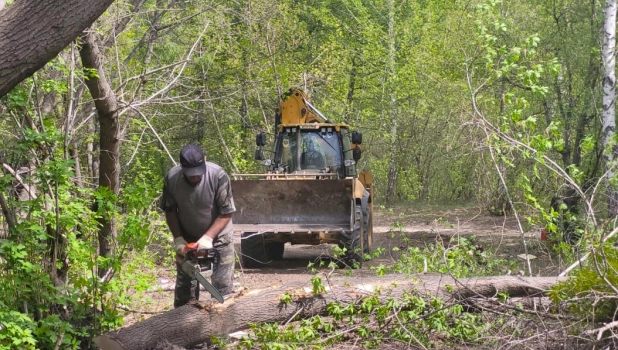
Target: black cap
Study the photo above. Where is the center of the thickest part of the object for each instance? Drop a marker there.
(192, 160)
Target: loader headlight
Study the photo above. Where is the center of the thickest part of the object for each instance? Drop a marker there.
(267, 162)
(349, 162)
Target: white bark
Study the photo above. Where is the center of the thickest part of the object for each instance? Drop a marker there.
(2, 4)
(391, 192)
(609, 96)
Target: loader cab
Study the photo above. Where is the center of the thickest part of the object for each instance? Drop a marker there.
(319, 148)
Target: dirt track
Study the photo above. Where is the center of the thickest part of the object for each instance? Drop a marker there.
(421, 226)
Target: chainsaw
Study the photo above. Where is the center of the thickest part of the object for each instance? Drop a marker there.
(199, 264)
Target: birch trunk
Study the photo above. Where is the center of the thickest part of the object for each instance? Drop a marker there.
(391, 192)
(609, 98)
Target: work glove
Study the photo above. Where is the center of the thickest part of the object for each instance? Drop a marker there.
(179, 244)
(205, 242)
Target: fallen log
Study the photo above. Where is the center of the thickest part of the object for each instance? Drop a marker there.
(195, 323)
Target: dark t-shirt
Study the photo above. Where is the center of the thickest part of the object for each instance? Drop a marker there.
(198, 206)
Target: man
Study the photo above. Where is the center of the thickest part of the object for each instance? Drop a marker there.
(312, 158)
(198, 204)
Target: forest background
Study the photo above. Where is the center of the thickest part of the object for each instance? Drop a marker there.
(498, 103)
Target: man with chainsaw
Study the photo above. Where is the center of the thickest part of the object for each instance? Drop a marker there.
(198, 204)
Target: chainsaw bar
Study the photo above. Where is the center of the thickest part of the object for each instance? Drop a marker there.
(193, 271)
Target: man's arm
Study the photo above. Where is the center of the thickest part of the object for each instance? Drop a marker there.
(170, 207)
(218, 225)
(171, 217)
(225, 204)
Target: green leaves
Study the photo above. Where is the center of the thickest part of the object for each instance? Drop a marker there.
(17, 98)
(286, 298)
(591, 290)
(318, 286)
(61, 222)
(90, 73)
(461, 258)
(372, 320)
(16, 330)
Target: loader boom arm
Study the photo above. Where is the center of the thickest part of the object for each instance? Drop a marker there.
(296, 109)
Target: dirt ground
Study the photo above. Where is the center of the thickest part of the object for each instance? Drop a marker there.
(421, 224)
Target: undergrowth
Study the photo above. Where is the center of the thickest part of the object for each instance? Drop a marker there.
(590, 293)
(459, 257)
(410, 320)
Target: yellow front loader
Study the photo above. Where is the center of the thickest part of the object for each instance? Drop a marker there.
(311, 191)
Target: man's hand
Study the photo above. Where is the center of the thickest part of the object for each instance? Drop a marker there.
(179, 244)
(179, 259)
(205, 242)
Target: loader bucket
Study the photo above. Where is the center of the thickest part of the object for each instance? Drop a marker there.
(288, 205)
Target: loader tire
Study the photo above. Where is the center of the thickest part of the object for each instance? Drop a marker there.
(274, 250)
(256, 253)
(354, 256)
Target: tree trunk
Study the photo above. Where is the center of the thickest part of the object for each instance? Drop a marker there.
(32, 32)
(78, 170)
(9, 217)
(349, 101)
(391, 191)
(609, 98)
(93, 167)
(195, 323)
(107, 110)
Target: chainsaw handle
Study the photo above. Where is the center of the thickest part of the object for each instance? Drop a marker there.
(189, 250)
(189, 246)
(192, 251)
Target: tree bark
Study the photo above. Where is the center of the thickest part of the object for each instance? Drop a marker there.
(78, 170)
(32, 32)
(391, 190)
(106, 104)
(9, 216)
(349, 102)
(93, 162)
(609, 98)
(195, 323)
